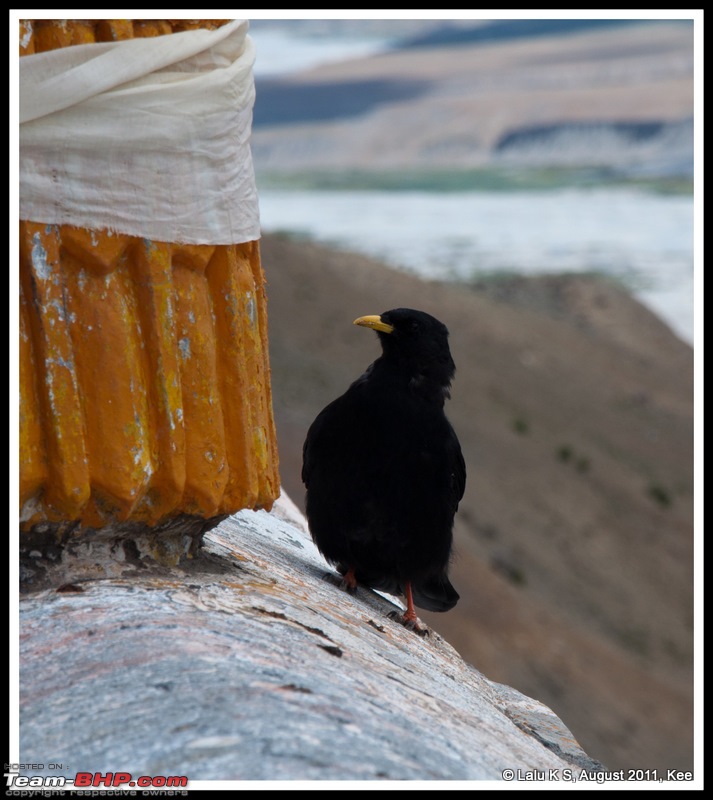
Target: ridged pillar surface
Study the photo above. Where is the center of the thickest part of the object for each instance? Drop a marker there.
(144, 374)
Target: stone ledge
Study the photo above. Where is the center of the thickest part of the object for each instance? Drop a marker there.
(247, 664)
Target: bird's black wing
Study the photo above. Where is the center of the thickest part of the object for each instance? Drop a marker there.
(306, 463)
(327, 435)
(457, 469)
(309, 446)
(333, 423)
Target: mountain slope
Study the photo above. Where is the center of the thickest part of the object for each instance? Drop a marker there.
(574, 540)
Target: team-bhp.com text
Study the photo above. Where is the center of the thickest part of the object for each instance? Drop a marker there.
(86, 780)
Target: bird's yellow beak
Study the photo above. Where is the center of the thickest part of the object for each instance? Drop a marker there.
(375, 323)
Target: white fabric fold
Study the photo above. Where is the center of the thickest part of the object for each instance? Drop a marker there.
(148, 137)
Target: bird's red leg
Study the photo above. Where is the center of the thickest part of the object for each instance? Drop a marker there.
(409, 619)
(349, 581)
(410, 615)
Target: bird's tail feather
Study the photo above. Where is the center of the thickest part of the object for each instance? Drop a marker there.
(435, 594)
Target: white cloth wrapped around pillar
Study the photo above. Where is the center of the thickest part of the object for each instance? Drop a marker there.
(148, 137)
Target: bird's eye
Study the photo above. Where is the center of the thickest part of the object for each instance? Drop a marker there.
(414, 326)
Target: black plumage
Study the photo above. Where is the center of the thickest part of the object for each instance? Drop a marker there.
(384, 470)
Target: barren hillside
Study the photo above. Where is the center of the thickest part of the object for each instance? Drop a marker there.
(574, 540)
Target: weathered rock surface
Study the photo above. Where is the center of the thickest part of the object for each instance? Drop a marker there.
(250, 664)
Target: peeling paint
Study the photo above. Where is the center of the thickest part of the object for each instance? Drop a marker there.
(58, 306)
(138, 452)
(26, 34)
(67, 363)
(39, 259)
(30, 508)
(184, 345)
(251, 309)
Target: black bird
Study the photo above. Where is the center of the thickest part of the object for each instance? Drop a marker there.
(384, 470)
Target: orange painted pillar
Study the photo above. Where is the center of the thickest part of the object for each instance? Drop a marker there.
(144, 372)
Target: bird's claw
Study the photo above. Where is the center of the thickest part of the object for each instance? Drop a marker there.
(409, 624)
(347, 586)
(341, 582)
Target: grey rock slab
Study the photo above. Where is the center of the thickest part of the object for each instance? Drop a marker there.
(249, 663)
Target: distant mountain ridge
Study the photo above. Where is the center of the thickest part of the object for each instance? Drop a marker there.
(505, 30)
(615, 93)
(284, 102)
